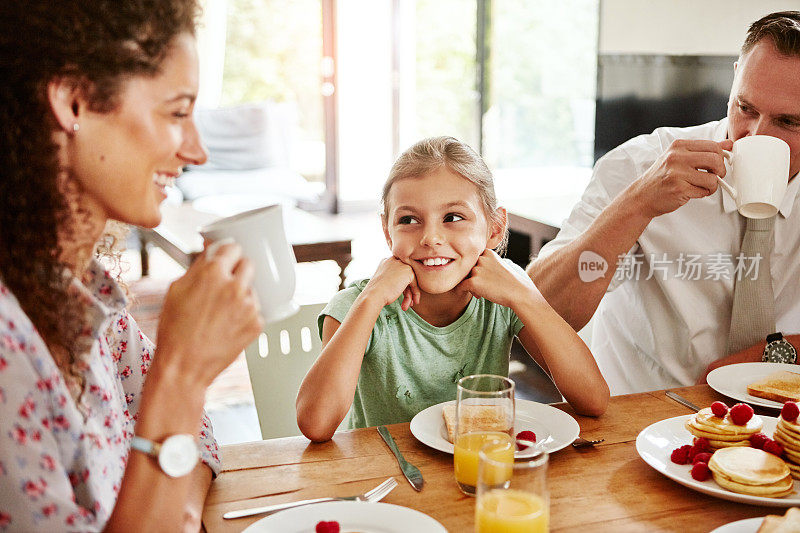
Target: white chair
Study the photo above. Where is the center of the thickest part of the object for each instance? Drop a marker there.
(277, 362)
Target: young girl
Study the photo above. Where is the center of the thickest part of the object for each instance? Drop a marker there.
(444, 306)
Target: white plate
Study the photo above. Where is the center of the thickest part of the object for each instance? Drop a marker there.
(732, 380)
(352, 516)
(554, 428)
(656, 442)
(748, 525)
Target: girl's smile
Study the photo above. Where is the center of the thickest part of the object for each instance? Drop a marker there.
(435, 262)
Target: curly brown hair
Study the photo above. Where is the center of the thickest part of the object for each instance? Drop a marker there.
(98, 44)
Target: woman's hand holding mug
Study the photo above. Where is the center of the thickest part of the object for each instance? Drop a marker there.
(210, 315)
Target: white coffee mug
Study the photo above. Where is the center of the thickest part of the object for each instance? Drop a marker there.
(260, 234)
(757, 175)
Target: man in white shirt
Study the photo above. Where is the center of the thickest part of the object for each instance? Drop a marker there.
(653, 213)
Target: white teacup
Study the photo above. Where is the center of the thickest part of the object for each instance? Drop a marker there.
(757, 175)
(260, 234)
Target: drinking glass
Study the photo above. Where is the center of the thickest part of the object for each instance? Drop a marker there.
(484, 414)
(512, 497)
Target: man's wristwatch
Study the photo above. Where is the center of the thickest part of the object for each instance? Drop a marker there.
(779, 350)
(177, 455)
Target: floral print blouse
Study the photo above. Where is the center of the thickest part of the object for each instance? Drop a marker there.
(61, 464)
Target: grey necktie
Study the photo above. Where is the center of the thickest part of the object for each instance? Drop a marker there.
(753, 314)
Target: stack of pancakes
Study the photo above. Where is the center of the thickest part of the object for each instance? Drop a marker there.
(722, 432)
(787, 434)
(751, 471)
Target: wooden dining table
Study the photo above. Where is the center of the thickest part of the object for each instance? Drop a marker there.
(607, 487)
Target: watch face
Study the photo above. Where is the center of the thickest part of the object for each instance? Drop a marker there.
(779, 352)
(178, 455)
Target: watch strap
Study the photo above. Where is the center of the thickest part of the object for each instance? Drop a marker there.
(145, 446)
(774, 337)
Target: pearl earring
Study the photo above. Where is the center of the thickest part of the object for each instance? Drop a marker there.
(76, 127)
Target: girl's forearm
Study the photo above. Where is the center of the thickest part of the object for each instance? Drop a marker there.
(565, 356)
(327, 390)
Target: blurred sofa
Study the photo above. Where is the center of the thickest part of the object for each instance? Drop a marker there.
(249, 149)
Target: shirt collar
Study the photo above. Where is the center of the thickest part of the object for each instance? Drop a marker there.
(101, 294)
(729, 204)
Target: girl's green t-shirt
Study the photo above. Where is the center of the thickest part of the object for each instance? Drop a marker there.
(410, 365)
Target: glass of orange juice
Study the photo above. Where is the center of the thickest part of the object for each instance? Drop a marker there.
(484, 414)
(511, 497)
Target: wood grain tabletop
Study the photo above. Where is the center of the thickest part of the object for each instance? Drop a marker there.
(604, 488)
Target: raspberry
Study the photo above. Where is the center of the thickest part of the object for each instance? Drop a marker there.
(773, 447)
(719, 409)
(790, 411)
(327, 527)
(703, 457)
(741, 413)
(526, 435)
(702, 444)
(758, 440)
(693, 452)
(680, 456)
(700, 471)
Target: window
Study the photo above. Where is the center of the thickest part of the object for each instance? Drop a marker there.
(408, 69)
(273, 50)
(542, 80)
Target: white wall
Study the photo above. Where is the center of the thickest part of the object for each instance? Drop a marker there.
(703, 27)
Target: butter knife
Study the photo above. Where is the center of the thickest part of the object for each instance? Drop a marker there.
(681, 400)
(412, 473)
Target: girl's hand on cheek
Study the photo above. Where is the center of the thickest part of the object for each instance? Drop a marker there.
(392, 279)
(491, 279)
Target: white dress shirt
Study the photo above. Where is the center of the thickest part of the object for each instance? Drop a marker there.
(664, 331)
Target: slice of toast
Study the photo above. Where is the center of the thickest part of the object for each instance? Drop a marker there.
(475, 418)
(783, 386)
(788, 523)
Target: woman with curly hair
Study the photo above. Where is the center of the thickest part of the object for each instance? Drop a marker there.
(96, 105)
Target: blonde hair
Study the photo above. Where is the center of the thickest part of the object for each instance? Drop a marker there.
(434, 153)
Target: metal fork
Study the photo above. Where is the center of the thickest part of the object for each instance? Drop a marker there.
(580, 442)
(371, 496)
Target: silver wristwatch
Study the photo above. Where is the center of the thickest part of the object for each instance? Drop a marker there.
(177, 455)
(779, 350)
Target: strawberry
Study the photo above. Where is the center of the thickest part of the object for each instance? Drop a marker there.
(719, 409)
(758, 440)
(526, 435)
(680, 456)
(327, 527)
(773, 447)
(703, 457)
(790, 411)
(700, 471)
(741, 413)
